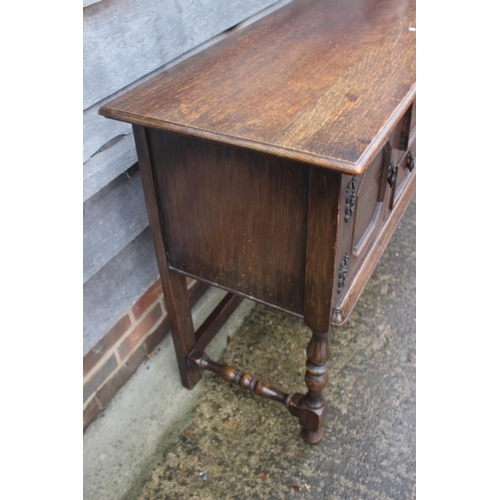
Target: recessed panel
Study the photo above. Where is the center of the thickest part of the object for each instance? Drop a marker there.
(368, 204)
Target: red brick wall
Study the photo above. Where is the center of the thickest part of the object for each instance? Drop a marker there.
(111, 362)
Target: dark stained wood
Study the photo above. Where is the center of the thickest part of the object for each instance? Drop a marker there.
(237, 377)
(413, 121)
(237, 292)
(174, 285)
(400, 135)
(406, 167)
(210, 327)
(368, 214)
(310, 409)
(270, 165)
(313, 405)
(369, 204)
(323, 82)
(235, 217)
(322, 223)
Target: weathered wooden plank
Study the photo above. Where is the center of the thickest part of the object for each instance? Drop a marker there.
(125, 40)
(101, 169)
(86, 3)
(99, 135)
(111, 220)
(113, 290)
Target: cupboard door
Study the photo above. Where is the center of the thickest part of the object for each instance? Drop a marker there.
(368, 212)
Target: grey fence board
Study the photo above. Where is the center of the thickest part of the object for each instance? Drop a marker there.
(111, 292)
(99, 132)
(86, 3)
(111, 220)
(125, 40)
(103, 168)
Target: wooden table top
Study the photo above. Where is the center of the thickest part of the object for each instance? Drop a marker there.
(320, 81)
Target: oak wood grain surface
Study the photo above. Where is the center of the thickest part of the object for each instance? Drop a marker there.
(322, 82)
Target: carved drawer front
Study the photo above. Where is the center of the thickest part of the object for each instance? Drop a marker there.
(405, 169)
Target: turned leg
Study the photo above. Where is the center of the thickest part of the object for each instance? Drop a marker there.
(324, 209)
(313, 406)
(309, 408)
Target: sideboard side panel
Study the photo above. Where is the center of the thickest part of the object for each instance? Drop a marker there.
(322, 229)
(234, 217)
(174, 285)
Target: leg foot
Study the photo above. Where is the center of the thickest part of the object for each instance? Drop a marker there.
(311, 421)
(313, 406)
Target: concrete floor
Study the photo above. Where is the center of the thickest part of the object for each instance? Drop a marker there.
(159, 441)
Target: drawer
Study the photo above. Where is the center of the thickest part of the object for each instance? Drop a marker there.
(405, 169)
(401, 134)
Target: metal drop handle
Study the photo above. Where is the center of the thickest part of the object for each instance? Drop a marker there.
(410, 161)
(391, 179)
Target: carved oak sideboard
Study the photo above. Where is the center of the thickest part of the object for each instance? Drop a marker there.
(276, 164)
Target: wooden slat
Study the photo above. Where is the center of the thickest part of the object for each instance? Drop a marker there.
(108, 150)
(86, 3)
(210, 327)
(99, 134)
(100, 170)
(112, 291)
(125, 40)
(111, 220)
